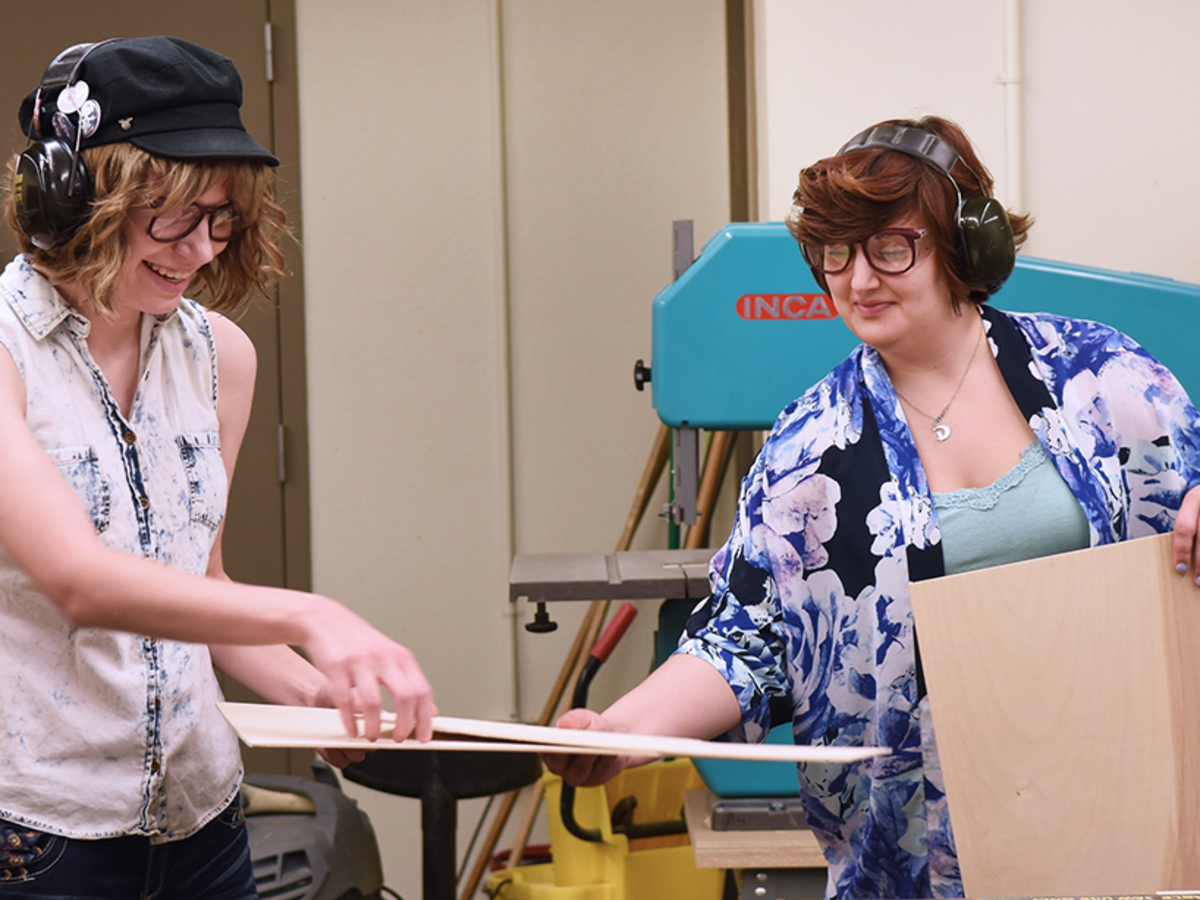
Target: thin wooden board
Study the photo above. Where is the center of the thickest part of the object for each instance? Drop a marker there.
(1065, 695)
(266, 725)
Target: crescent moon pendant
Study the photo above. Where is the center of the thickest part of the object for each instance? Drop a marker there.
(941, 432)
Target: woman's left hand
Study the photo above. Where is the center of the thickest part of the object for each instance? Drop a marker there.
(339, 759)
(1184, 551)
(336, 756)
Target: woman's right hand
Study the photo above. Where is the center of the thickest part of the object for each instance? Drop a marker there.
(684, 697)
(582, 769)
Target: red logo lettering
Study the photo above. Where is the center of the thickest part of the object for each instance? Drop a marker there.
(774, 307)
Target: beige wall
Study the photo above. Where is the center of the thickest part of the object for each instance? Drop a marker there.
(1098, 145)
(488, 196)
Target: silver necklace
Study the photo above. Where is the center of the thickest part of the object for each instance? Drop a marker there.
(941, 431)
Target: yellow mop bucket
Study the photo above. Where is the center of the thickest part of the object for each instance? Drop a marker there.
(616, 868)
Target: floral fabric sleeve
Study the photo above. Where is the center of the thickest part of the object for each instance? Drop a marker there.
(786, 514)
(1124, 424)
(738, 630)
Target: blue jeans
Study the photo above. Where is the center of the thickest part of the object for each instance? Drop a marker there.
(213, 864)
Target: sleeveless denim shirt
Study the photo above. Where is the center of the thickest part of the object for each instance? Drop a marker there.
(107, 733)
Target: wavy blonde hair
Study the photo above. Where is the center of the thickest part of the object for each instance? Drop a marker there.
(126, 177)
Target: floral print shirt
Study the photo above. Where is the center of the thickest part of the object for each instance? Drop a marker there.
(809, 616)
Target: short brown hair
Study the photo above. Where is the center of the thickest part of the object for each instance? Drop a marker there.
(125, 177)
(845, 199)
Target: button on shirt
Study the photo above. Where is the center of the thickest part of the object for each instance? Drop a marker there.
(108, 733)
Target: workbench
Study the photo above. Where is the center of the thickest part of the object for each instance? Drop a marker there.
(786, 864)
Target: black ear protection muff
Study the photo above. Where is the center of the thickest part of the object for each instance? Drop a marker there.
(983, 236)
(52, 187)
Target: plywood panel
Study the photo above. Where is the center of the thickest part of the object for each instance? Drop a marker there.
(1064, 698)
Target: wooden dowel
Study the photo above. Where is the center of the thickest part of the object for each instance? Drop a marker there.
(521, 841)
(578, 652)
(659, 453)
(572, 666)
(720, 451)
(503, 811)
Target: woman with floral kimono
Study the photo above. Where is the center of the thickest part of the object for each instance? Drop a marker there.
(954, 437)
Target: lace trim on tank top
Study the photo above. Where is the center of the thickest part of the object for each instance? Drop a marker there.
(985, 498)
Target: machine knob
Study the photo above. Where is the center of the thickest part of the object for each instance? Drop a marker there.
(641, 375)
(542, 623)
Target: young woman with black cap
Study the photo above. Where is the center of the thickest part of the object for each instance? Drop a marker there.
(122, 408)
(954, 437)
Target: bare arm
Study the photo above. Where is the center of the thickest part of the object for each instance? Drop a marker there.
(684, 697)
(277, 673)
(51, 538)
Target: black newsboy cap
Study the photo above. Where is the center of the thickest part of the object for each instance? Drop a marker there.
(167, 96)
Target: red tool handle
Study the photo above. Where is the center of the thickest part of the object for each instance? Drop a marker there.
(614, 632)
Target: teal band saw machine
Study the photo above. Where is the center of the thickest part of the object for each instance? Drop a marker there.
(741, 332)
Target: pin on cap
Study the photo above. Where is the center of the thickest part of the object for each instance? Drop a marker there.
(73, 96)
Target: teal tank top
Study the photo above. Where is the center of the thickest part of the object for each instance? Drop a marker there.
(1026, 513)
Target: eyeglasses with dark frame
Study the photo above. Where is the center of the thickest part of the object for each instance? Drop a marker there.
(224, 223)
(892, 251)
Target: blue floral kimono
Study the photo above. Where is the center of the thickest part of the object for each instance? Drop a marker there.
(809, 617)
